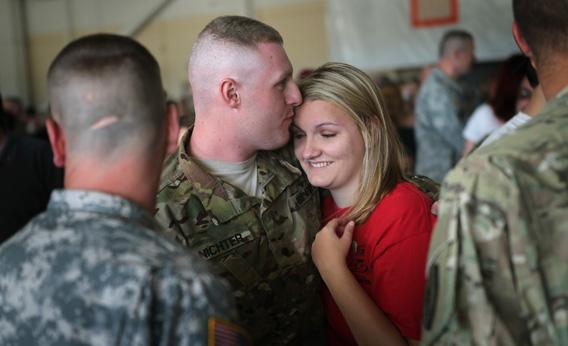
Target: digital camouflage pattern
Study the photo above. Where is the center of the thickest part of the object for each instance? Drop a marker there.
(91, 270)
(442, 108)
(260, 245)
(497, 266)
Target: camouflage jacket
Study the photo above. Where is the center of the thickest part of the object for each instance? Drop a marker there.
(92, 271)
(260, 245)
(498, 260)
(441, 111)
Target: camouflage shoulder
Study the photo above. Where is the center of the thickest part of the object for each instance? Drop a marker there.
(477, 197)
(174, 190)
(170, 170)
(287, 153)
(286, 157)
(430, 187)
(283, 157)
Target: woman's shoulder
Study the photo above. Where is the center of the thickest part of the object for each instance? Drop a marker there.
(404, 200)
(483, 111)
(405, 190)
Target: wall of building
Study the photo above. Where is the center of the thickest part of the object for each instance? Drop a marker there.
(169, 36)
(14, 79)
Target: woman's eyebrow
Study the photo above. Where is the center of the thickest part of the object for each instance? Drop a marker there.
(326, 124)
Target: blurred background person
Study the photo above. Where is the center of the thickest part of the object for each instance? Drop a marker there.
(511, 93)
(27, 177)
(532, 109)
(404, 120)
(442, 107)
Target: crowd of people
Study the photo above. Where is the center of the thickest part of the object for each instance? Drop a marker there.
(287, 213)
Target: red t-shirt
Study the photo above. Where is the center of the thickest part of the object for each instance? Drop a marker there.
(388, 260)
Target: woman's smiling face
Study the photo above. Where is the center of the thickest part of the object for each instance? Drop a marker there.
(328, 145)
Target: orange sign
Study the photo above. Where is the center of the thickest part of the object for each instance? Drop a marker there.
(425, 13)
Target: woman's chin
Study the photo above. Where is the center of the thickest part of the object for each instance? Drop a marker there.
(318, 183)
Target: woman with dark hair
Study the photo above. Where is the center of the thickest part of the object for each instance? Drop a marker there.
(511, 94)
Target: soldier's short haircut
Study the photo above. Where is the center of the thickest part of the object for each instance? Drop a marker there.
(454, 39)
(222, 42)
(543, 24)
(106, 92)
(242, 31)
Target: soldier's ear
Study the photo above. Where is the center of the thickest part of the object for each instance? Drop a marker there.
(230, 92)
(521, 42)
(57, 141)
(172, 130)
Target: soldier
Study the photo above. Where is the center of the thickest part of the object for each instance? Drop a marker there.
(497, 271)
(442, 107)
(91, 269)
(231, 197)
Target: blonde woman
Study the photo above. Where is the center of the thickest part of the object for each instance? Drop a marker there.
(371, 255)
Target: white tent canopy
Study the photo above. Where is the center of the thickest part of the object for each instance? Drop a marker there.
(379, 34)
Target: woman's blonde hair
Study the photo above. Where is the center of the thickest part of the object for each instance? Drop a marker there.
(357, 94)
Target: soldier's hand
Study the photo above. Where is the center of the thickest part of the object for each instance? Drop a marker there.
(331, 245)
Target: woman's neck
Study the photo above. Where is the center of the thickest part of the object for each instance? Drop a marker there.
(346, 196)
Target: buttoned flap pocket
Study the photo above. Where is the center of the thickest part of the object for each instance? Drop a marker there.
(301, 193)
(291, 223)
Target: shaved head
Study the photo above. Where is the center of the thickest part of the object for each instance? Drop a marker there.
(543, 25)
(106, 92)
(454, 40)
(226, 47)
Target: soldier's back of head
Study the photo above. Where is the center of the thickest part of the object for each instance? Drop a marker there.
(106, 93)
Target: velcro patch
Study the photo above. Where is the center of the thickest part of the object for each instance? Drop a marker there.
(223, 333)
(223, 246)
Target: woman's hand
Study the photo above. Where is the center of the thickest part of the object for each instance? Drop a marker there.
(331, 246)
(367, 322)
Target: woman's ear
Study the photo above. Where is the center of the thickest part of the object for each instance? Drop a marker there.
(57, 141)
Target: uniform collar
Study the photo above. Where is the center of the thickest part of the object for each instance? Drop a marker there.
(99, 203)
(442, 78)
(560, 98)
(226, 201)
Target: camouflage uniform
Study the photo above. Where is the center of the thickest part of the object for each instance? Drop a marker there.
(260, 245)
(497, 267)
(91, 270)
(442, 107)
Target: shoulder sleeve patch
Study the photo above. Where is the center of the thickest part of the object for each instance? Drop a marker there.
(430, 297)
(224, 333)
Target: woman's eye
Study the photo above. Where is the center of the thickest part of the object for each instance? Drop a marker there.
(297, 135)
(328, 135)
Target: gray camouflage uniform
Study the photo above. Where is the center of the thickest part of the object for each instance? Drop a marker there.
(92, 270)
(442, 106)
(498, 259)
(260, 245)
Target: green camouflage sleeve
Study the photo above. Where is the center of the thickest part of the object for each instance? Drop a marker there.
(484, 280)
(426, 185)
